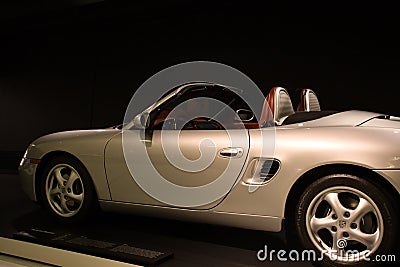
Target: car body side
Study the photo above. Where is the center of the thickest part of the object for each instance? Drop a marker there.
(349, 139)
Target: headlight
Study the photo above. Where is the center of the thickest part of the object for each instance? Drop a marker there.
(26, 159)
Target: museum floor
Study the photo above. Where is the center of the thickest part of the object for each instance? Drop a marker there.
(191, 244)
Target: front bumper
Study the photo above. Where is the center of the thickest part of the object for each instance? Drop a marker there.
(27, 175)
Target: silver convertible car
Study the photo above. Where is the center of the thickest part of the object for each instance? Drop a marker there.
(331, 179)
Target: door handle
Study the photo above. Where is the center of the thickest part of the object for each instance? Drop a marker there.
(231, 152)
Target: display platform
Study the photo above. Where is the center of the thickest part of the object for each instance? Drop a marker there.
(15, 253)
(192, 244)
(116, 251)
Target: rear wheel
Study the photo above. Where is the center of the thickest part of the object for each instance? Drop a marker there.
(67, 189)
(347, 219)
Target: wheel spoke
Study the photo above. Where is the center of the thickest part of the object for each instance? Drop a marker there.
(334, 243)
(54, 192)
(369, 240)
(64, 205)
(58, 207)
(72, 178)
(78, 198)
(321, 223)
(333, 201)
(363, 208)
(58, 176)
(52, 186)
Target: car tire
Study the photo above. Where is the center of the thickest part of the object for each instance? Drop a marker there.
(348, 214)
(67, 190)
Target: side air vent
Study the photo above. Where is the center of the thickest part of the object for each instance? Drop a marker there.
(264, 170)
(269, 168)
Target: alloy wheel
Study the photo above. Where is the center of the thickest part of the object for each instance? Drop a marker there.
(343, 222)
(64, 190)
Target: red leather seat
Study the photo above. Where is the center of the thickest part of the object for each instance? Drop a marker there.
(308, 101)
(277, 105)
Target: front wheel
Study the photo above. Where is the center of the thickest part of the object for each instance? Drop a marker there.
(67, 189)
(347, 219)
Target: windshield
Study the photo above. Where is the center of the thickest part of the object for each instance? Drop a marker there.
(152, 107)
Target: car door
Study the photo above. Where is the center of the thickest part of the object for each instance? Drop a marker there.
(197, 162)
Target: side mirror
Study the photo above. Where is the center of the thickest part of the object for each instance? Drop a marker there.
(245, 114)
(141, 120)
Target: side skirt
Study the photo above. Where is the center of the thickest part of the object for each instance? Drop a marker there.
(247, 221)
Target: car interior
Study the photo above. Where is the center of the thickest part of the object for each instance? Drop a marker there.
(308, 101)
(277, 110)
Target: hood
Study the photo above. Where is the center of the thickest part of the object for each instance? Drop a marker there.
(83, 142)
(73, 135)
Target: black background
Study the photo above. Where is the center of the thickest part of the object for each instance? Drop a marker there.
(76, 64)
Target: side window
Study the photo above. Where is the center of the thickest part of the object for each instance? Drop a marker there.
(202, 108)
(238, 115)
